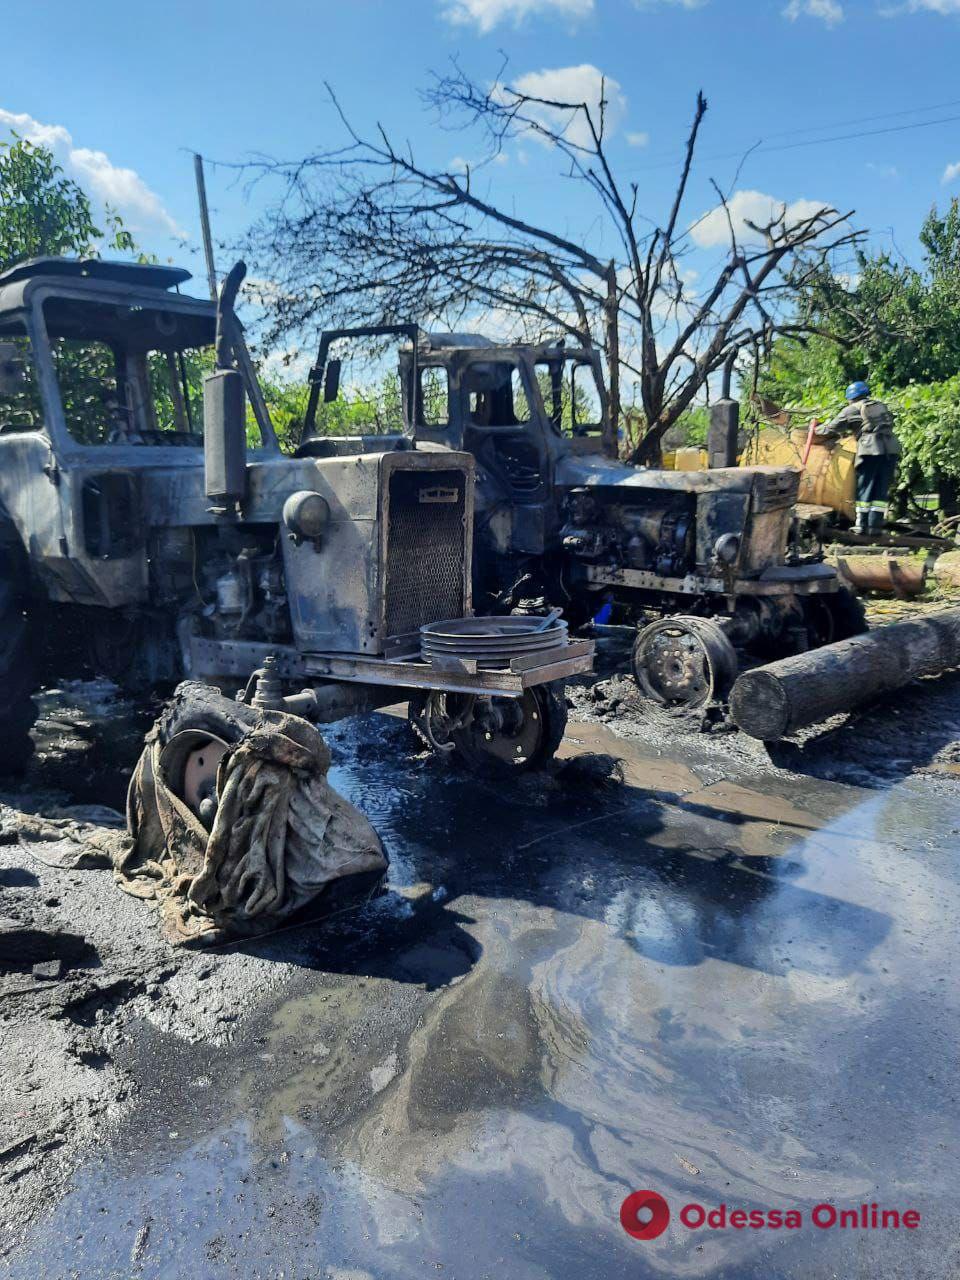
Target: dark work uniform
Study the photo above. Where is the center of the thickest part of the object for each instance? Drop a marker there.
(878, 448)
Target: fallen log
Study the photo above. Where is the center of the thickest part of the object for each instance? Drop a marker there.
(773, 701)
(947, 570)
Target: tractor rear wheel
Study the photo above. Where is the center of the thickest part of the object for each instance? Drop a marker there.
(18, 666)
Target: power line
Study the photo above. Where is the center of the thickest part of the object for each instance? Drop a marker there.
(662, 159)
(809, 142)
(884, 115)
(867, 133)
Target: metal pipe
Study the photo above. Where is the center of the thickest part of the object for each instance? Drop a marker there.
(205, 224)
(325, 703)
(727, 375)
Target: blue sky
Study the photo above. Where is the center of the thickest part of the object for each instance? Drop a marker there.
(124, 92)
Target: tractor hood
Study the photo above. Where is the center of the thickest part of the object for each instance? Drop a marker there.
(574, 473)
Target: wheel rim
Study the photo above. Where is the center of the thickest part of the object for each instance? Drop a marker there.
(509, 730)
(191, 759)
(684, 663)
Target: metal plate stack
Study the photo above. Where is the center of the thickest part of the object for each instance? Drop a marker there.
(491, 643)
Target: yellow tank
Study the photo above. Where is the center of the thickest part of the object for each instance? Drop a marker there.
(828, 479)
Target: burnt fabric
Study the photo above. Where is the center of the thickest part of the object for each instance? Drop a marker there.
(281, 835)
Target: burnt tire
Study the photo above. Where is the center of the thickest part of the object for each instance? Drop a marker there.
(834, 617)
(18, 664)
(849, 615)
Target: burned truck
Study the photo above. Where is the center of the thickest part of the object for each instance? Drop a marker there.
(149, 519)
(702, 563)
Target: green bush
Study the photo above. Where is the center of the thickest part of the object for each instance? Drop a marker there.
(928, 427)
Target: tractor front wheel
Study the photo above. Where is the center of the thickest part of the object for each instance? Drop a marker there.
(834, 617)
(494, 735)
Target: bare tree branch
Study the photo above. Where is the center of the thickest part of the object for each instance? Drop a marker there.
(364, 232)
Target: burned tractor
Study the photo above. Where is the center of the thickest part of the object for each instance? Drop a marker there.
(702, 563)
(149, 517)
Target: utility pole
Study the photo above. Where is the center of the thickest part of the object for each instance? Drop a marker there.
(205, 224)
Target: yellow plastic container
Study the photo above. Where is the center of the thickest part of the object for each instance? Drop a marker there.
(828, 479)
(690, 458)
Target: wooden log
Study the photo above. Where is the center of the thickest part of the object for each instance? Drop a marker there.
(773, 701)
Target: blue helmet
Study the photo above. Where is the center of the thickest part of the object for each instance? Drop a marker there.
(857, 390)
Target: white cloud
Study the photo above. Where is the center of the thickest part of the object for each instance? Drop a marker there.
(638, 139)
(883, 170)
(943, 7)
(108, 183)
(574, 85)
(951, 173)
(745, 207)
(683, 4)
(292, 364)
(828, 11)
(460, 164)
(487, 14)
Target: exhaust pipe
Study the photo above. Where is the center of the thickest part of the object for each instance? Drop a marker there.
(224, 412)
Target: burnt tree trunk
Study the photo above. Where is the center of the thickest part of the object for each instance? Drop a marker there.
(772, 701)
(611, 328)
(649, 452)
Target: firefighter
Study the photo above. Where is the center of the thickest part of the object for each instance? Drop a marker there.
(871, 423)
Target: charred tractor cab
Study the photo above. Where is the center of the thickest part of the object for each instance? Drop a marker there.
(149, 518)
(702, 563)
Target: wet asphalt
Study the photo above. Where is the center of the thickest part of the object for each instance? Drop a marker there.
(727, 987)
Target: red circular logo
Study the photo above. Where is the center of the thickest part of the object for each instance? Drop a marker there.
(647, 1203)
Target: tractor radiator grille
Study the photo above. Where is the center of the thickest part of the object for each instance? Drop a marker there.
(426, 549)
(776, 489)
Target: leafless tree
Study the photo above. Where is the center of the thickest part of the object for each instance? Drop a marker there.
(365, 232)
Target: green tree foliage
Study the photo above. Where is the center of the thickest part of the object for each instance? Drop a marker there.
(894, 322)
(691, 428)
(928, 427)
(44, 212)
(374, 410)
(180, 377)
(898, 327)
